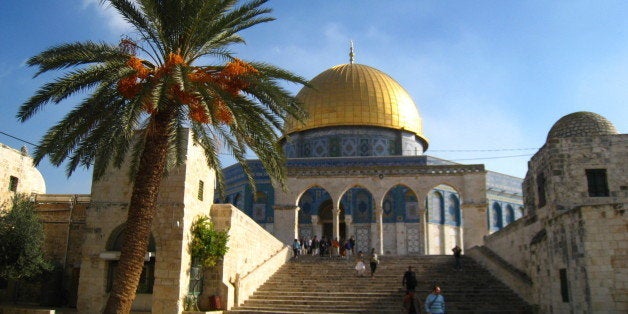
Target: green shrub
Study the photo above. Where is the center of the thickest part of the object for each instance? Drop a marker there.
(208, 245)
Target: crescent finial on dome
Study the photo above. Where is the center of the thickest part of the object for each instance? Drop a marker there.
(351, 54)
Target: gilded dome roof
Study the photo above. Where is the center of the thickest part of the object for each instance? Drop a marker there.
(356, 94)
(581, 124)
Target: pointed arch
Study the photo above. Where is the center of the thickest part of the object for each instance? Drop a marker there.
(400, 203)
(496, 217)
(452, 214)
(510, 214)
(436, 207)
(310, 202)
(358, 202)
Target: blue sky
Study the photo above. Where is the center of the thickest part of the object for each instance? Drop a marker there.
(486, 75)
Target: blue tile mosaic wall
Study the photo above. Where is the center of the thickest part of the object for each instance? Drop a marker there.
(352, 141)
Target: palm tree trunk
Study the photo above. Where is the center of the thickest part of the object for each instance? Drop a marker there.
(142, 211)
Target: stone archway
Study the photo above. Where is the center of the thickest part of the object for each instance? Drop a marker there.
(326, 219)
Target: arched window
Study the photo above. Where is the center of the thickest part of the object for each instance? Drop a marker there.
(114, 246)
(510, 214)
(496, 217)
(436, 207)
(453, 210)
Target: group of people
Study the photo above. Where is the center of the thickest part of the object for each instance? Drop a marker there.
(360, 266)
(324, 247)
(435, 301)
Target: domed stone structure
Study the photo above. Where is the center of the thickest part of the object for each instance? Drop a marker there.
(581, 124)
(370, 114)
(356, 167)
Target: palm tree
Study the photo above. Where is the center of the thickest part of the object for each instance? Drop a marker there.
(142, 96)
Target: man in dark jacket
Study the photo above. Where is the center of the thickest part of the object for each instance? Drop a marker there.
(409, 280)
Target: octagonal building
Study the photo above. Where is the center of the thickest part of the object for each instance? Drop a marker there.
(357, 168)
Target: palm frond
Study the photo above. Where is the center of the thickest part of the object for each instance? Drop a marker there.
(74, 54)
(71, 83)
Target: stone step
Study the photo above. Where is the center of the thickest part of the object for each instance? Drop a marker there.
(311, 284)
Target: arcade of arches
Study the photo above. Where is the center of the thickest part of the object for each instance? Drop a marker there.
(395, 223)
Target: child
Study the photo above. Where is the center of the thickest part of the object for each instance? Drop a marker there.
(360, 267)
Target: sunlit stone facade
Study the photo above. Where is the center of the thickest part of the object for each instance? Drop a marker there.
(357, 167)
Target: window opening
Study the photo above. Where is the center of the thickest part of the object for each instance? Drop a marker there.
(564, 287)
(540, 187)
(201, 191)
(597, 183)
(13, 181)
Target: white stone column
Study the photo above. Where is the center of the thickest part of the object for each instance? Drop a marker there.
(379, 216)
(336, 223)
(348, 221)
(317, 229)
(423, 231)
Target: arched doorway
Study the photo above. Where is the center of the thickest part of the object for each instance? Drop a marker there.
(326, 219)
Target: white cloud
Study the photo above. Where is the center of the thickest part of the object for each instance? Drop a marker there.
(114, 21)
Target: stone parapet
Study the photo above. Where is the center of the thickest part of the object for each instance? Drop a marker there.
(253, 256)
(514, 278)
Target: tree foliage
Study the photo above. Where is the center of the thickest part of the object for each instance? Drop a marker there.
(21, 241)
(141, 95)
(208, 245)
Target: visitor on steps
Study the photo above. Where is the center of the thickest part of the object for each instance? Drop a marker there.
(374, 261)
(411, 303)
(335, 247)
(409, 280)
(302, 251)
(435, 302)
(360, 268)
(347, 246)
(324, 247)
(308, 245)
(296, 246)
(315, 246)
(352, 243)
(457, 251)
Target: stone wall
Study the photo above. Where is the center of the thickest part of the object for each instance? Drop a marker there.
(573, 248)
(253, 256)
(63, 220)
(442, 238)
(18, 164)
(179, 203)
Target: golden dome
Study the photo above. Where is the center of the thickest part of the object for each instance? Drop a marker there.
(357, 95)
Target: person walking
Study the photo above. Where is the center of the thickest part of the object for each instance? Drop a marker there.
(435, 302)
(335, 247)
(411, 303)
(323, 246)
(360, 268)
(374, 261)
(457, 252)
(347, 247)
(296, 247)
(315, 246)
(352, 243)
(409, 280)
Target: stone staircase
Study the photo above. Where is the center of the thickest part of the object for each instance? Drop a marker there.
(329, 285)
